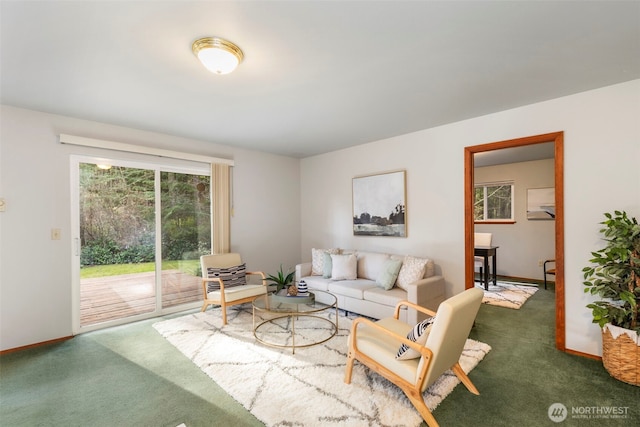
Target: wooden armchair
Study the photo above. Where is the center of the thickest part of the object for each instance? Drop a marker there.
(376, 344)
(224, 282)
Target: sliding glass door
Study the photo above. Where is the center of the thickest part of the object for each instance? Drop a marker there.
(141, 229)
(186, 234)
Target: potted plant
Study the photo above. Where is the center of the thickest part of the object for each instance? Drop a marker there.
(615, 277)
(281, 279)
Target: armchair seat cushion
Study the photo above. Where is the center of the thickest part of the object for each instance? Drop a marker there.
(238, 292)
(383, 348)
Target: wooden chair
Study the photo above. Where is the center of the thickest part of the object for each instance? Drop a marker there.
(481, 239)
(224, 282)
(375, 344)
(546, 270)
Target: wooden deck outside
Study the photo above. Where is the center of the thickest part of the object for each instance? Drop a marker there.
(116, 297)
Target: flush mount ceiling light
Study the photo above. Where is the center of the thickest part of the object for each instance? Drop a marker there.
(217, 55)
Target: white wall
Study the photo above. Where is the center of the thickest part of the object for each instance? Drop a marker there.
(524, 243)
(602, 154)
(278, 220)
(35, 271)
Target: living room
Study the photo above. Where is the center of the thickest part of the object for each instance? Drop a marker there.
(433, 159)
(435, 212)
(601, 150)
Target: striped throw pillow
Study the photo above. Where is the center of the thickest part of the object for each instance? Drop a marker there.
(417, 334)
(231, 276)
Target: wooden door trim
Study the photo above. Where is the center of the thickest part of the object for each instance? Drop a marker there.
(558, 139)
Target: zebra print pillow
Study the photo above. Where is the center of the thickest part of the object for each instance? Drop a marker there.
(231, 276)
(417, 334)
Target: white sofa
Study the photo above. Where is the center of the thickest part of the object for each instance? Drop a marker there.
(363, 292)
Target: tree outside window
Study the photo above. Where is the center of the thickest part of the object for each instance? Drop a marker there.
(493, 202)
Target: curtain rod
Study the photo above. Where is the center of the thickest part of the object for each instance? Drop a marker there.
(130, 148)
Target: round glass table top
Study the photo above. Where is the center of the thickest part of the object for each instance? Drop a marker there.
(280, 303)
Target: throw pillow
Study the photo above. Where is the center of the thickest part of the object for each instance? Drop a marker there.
(418, 334)
(412, 270)
(344, 267)
(389, 274)
(317, 260)
(231, 276)
(327, 266)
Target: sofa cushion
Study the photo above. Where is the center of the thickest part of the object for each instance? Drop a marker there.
(317, 259)
(389, 274)
(418, 334)
(327, 266)
(384, 297)
(317, 282)
(429, 270)
(412, 270)
(343, 267)
(351, 288)
(371, 264)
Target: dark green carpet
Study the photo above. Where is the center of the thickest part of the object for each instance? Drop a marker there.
(124, 376)
(130, 376)
(524, 374)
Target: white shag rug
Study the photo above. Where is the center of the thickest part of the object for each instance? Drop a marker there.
(507, 294)
(306, 388)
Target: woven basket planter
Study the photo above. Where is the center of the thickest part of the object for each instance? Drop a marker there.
(621, 354)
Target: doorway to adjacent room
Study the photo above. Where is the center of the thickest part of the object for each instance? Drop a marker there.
(557, 138)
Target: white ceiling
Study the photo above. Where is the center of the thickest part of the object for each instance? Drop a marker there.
(525, 153)
(317, 75)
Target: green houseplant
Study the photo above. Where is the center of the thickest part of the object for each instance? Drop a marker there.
(615, 277)
(281, 279)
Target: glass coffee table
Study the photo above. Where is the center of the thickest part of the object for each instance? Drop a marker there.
(293, 322)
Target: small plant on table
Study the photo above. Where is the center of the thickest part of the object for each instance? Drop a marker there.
(281, 279)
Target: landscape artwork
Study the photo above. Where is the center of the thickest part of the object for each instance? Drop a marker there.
(379, 205)
(541, 203)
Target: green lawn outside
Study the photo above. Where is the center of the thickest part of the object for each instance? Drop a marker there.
(189, 266)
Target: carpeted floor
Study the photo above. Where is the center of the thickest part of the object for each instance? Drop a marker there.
(311, 381)
(131, 376)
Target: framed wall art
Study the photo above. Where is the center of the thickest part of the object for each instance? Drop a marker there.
(541, 203)
(379, 205)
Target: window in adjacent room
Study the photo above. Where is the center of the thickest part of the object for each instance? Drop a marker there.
(494, 202)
